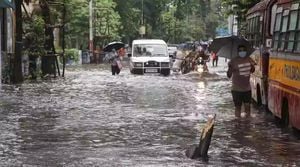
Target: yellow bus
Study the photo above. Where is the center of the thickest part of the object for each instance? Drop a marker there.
(273, 27)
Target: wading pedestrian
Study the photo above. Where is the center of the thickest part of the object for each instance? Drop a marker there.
(239, 69)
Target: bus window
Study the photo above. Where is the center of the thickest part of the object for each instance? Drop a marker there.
(297, 49)
(277, 30)
(292, 26)
(291, 41)
(278, 21)
(250, 31)
(298, 25)
(273, 16)
(248, 25)
(260, 21)
(292, 29)
(252, 25)
(298, 43)
(293, 20)
(284, 23)
(259, 30)
(284, 26)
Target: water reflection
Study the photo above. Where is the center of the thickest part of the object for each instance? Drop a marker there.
(94, 119)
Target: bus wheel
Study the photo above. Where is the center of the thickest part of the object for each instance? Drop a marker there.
(285, 114)
(258, 96)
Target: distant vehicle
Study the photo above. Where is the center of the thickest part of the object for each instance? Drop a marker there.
(172, 49)
(149, 56)
(128, 50)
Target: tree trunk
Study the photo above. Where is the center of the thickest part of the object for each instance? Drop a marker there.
(48, 62)
(17, 62)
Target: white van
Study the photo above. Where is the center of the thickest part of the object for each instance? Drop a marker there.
(149, 56)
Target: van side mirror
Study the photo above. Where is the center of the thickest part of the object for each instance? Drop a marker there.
(129, 55)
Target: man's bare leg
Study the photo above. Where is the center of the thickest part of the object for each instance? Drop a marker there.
(238, 111)
(247, 109)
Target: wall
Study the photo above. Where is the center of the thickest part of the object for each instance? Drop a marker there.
(6, 41)
(1, 46)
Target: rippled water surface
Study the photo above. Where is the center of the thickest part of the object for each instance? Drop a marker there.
(91, 118)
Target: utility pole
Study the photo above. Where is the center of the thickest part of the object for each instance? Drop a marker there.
(142, 28)
(63, 38)
(142, 12)
(233, 19)
(91, 40)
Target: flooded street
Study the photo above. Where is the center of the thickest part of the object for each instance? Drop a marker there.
(92, 118)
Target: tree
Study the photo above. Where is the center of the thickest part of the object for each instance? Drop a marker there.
(106, 21)
(48, 65)
(173, 20)
(34, 39)
(17, 75)
(239, 8)
(130, 17)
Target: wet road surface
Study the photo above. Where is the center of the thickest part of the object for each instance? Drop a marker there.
(91, 118)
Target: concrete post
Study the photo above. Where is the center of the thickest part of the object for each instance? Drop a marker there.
(91, 43)
(0, 50)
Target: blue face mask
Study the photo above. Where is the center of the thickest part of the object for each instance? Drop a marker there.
(242, 54)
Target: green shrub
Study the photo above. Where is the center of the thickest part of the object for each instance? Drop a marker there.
(72, 54)
(34, 36)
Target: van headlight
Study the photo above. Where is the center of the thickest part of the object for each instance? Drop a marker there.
(165, 64)
(138, 64)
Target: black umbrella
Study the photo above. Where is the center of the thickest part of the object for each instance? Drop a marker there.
(113, 45)
(227, 46)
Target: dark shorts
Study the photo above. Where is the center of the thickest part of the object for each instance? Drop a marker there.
(115, 69)
(241, 97)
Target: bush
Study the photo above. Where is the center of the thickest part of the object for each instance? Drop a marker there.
(72, 54)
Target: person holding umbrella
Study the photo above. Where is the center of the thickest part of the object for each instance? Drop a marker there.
(115, 60)
(237, 49)
(239, 69)
(116, 53)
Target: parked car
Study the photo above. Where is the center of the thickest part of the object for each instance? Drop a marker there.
(149, 56)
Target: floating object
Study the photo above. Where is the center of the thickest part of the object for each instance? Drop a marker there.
(200, 151)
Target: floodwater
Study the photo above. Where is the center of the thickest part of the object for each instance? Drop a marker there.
(91, 118)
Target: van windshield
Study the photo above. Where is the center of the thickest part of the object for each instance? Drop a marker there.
(152, 50)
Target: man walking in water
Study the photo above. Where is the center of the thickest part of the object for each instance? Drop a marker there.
(115, 58)
(239, 69)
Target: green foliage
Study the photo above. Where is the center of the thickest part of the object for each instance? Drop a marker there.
(72, 54)
(106, 21)
(239, 8)
(130, 18)
(76, 22)
(34, 36)
(172, 20)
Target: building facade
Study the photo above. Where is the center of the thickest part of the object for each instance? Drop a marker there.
(6, 37)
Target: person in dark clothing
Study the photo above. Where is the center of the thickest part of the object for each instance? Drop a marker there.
(115, 70)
